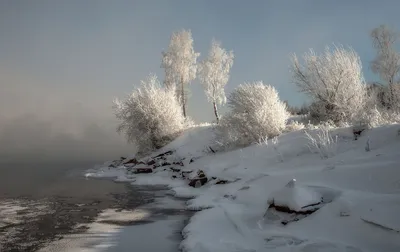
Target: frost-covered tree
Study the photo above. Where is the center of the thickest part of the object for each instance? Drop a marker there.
(256, 114)
(179, 63)
(387, 62)
(214, 74)
(334, 81)
(150, 117)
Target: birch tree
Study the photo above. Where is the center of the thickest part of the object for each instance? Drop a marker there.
(179, 63)
(387, 61)
(214, 74)
(334, 81)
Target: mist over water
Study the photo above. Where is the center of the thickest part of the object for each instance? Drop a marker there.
(42, 124)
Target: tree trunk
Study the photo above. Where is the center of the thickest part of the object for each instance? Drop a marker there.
(183, 98)
(392, 98)
(216, 112)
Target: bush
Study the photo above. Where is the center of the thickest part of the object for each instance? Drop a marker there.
(294, 126)
(256, 113)
(151, 116)
(334, 81)
(322, 143)
(375, 117)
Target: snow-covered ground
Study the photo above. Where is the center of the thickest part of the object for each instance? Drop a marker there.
(359, 190)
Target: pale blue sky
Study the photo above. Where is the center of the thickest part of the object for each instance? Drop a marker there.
(64, 57)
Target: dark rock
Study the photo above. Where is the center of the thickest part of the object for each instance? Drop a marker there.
(142, 170)
(222, 182)
(286, 209)
(131, 161)
(175, 169)
(151, 162)
(194, 181)
(122, 158)
(174, 176)
(164, 154)
(357, 130)
(201, 173)
(179, 163)
(230, 196)
(200, 180)
(165, 164)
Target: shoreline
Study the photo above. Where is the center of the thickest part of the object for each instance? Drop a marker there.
(69, 208)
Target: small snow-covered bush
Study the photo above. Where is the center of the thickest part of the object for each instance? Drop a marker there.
(256, 113)
(151, 116)
(322, 142)
(375, 117)
(294, 126)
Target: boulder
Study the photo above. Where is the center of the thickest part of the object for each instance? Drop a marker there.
(175, 169)
(142, 169)
(199, 180)
(151, 162)
(296, 199)
(131, 161)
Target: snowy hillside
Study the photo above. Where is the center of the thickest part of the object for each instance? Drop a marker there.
(347, 202)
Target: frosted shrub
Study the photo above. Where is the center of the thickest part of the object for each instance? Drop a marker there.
(150, 117)
(256, 113)
(294, 126)
(375, 117)
(322, 143)
(334, 81)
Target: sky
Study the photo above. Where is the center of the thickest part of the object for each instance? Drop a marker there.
(63, 62)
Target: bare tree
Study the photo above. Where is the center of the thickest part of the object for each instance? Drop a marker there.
(214, 74)
(179, 63)
(334, 80)
(387, 61)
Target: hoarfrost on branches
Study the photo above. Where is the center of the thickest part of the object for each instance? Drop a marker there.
(214, 74)
(334, 80)
(387, 63)
(179, 63)
(150, 117)
(256, 113)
